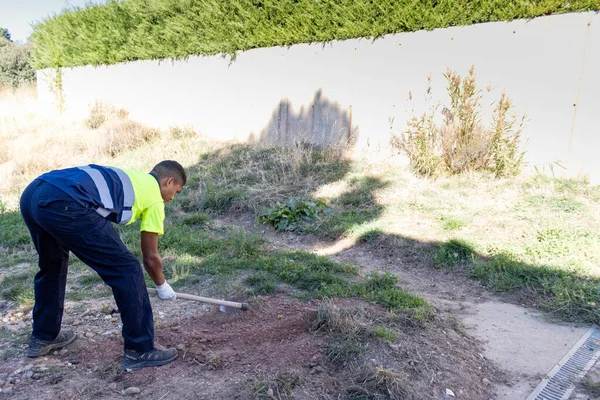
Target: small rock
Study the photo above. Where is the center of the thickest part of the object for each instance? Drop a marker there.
(63, 352)
(270, 392)
(27, 367)
(180, 347)
(113, 386)
(374, 362)
(36, 377)
(449, 392)
(7, 390)
(76, 323)
(108, 317)
(42, 369)
(28, 374)
(17, 381)
(486, 381)
(89, 334)
(18, 371)
(55, 352)
(130, 391)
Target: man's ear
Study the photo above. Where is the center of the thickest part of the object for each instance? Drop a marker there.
(170, 181)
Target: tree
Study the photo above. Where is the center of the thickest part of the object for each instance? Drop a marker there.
(5, 34)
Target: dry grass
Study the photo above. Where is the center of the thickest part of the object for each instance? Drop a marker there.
(33, 143)
(379, 383)
(330, 318)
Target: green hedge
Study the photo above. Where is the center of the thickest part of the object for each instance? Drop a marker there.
(130, 30)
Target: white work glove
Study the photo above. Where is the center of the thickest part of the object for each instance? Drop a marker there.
(165, 292)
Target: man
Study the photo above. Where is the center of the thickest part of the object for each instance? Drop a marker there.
(72, 210)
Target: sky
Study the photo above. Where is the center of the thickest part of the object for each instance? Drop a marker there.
(18, 15)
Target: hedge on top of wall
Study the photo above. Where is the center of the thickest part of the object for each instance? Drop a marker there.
(130, 30)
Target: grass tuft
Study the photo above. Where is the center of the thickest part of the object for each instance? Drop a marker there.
(343, 349)
(454, 252)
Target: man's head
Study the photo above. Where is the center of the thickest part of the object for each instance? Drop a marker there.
(172, 178)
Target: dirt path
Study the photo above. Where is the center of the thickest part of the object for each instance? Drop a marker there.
(510, 333)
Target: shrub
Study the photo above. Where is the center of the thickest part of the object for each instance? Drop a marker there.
(15, 66)
(121, 31)
(462, 142)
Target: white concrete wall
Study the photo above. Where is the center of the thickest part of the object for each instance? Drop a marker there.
(549, 66)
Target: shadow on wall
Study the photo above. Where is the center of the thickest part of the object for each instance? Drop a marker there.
(323, 123)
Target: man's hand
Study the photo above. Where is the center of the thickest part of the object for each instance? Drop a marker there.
(165, 292)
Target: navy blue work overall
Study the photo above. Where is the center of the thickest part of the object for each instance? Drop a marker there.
(59, 223)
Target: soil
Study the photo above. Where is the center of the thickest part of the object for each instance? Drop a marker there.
(222, 355)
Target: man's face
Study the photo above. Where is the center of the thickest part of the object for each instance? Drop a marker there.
(169, 188)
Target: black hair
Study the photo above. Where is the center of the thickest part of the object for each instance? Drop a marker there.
(170, 169)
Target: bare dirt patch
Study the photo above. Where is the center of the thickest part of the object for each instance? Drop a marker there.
(225, 356)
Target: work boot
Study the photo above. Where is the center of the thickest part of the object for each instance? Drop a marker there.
(133, 361)
(38, 347)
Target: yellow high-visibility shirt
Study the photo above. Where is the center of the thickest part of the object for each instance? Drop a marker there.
(149, 204)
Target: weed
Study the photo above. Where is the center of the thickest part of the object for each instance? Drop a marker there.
(454, 252)
(288, 217)
(463, 143)
(370, 382)
(19, 287)
(278, 386)
(420, 143)
(506, 156)
(381, 288)
(100, 113)
(451, 223)
(262, 283)
(384, 333)
(343, 349)
(182, 132)
(561, 294)
(196, 219)
(331, 318)
(220, 200)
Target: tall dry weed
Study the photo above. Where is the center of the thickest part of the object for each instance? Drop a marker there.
(462, 142)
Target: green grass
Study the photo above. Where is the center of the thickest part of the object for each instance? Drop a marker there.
(385, 333)
(18, 287)
(451, 223)
(454, 252)
(122, 31)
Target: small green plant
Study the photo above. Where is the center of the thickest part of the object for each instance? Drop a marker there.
(454, 252)
(451, 223)
(385, 333)
(381, 288)
(289, 216)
